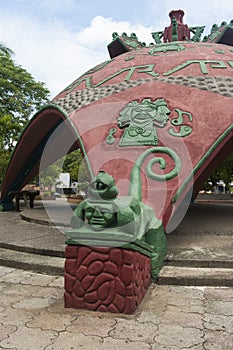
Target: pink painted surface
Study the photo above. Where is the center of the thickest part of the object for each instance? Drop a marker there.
(196, 78)
(211, 114)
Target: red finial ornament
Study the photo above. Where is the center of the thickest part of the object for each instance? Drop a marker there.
(177, 31)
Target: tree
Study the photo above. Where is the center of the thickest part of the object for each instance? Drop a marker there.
(48, 176)
(4, 159)
(223, 172)
(76, 167)
(20, 97)
(6, 50)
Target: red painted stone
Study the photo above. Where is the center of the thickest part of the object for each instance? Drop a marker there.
(195, 77)
(192, 77)
(118, 286)
(183, 29)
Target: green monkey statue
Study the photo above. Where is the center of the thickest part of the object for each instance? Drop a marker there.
(104, 219)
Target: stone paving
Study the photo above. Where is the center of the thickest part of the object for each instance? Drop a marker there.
(32, 316)
(171, 317)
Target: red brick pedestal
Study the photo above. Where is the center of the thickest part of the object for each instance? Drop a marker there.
(105, 279)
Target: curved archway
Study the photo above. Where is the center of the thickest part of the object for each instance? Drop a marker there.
(221, 148)
(191, 186)
(25, 161)
(222, 151)
(51, 125)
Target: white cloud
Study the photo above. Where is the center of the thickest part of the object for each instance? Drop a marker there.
(100, 30)
(57, 6)
(55, 55)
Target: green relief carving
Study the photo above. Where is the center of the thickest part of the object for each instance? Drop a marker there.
(218, 32)
(140, 121)
(135, 177)
(202, 64)
(131, 41)
(214, 35)
(132, 44)
(104, 219)
(129, 58)
(110, 139)
(148, 69)
(184, 130)
(165, 48)
(197, 31)
(87, 80)
(180, 119)
(98, 67)
(219, 51)
(157, 37)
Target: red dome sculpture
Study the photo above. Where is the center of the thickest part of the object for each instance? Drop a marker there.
(169, 104)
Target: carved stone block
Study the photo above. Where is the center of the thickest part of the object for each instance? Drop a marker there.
(105, 279)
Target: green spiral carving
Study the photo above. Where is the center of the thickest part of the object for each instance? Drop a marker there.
(135, 176)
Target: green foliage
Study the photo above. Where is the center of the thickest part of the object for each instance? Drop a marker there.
(4, 159)
(6, 50)
(223, 172)
(49, 176)
(20, 97)
(76, 167)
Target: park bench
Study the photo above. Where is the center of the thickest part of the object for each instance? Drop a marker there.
(27, 195)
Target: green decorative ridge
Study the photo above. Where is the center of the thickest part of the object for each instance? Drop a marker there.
(217, 32)
(78, 137)
(197, 31)
(124, 43)
(177, 31)
(202, 63)
(157, 36)
(166, 47)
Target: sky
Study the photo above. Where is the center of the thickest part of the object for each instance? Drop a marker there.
(58, 40)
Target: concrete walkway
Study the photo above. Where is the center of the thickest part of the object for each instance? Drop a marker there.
(169, 318)
(191, 307)
(200, 250)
